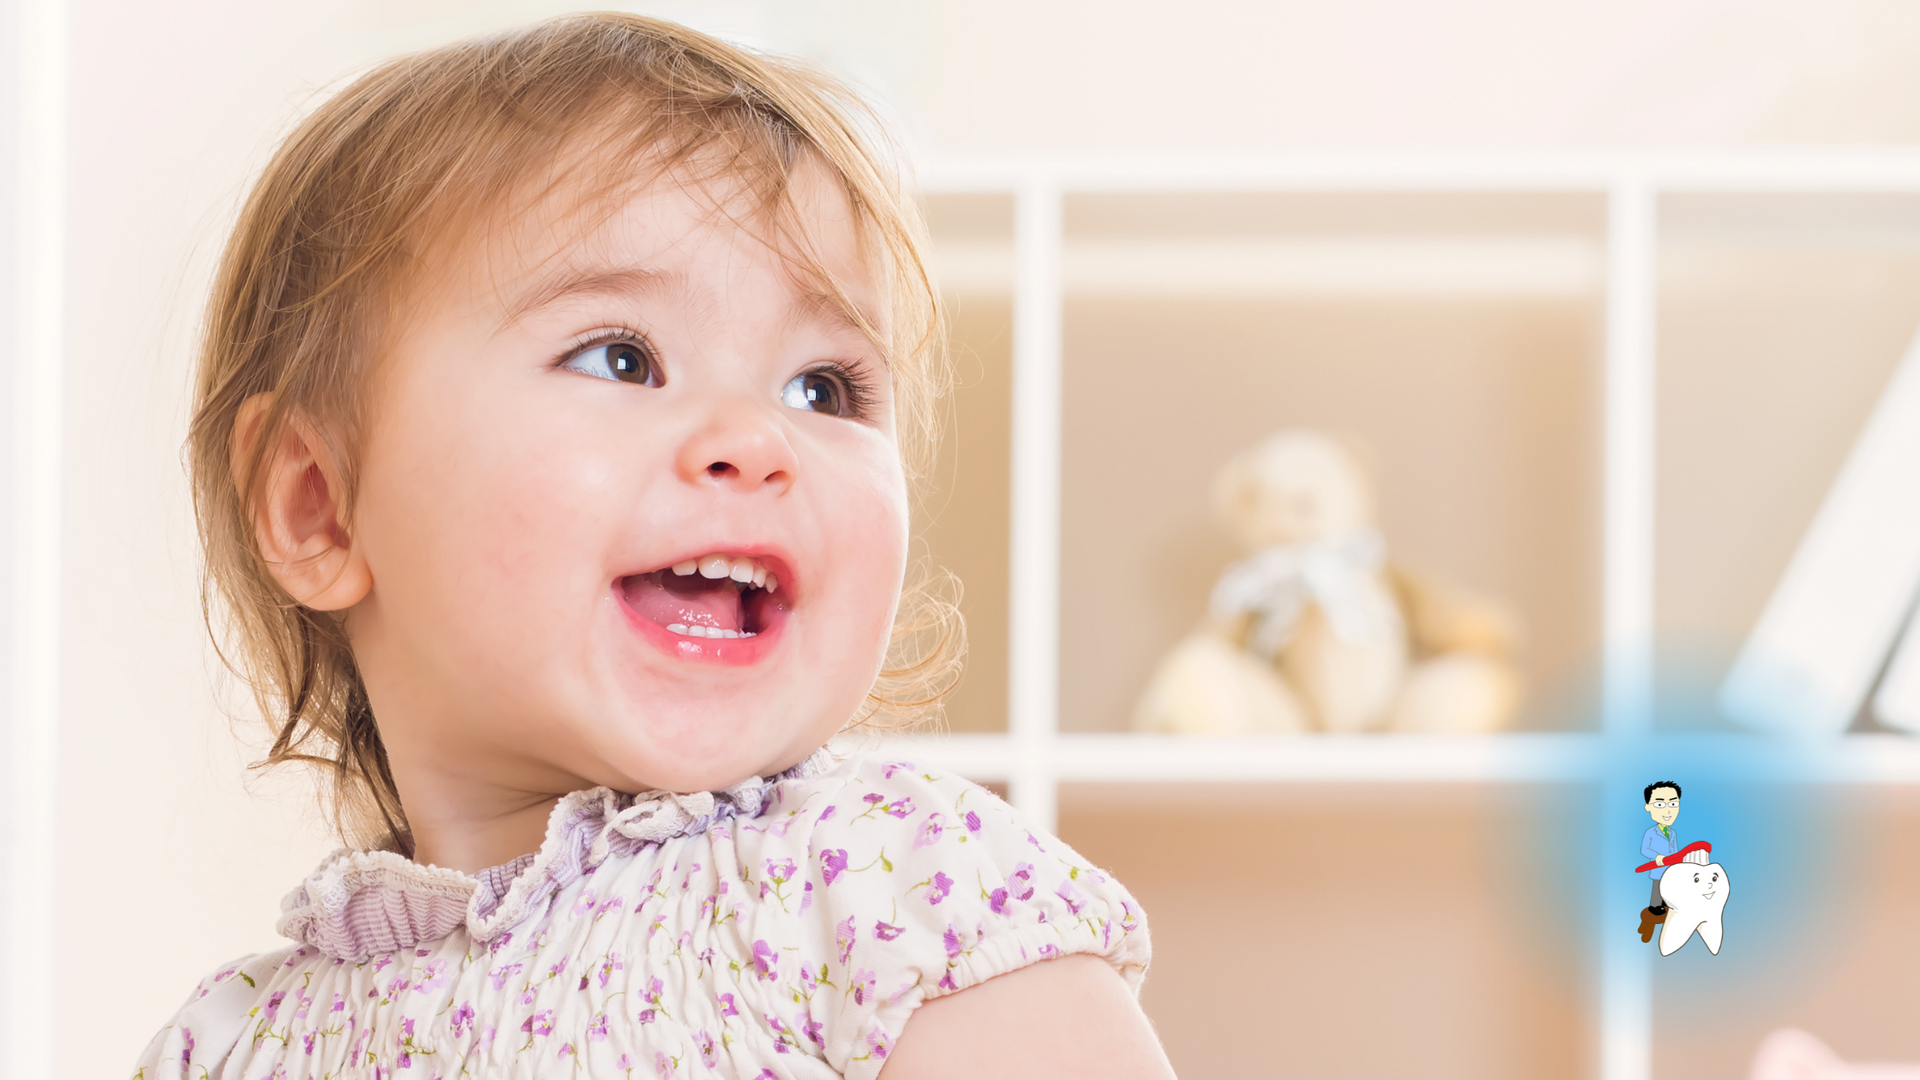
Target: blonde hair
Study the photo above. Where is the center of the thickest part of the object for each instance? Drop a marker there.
(393, 165)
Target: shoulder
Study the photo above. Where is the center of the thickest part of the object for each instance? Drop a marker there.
(925, 884)
(215, 1016)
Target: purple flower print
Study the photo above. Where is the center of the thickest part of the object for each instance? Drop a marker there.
(1049, 950)
(997, 900)
(381, 963)
(540, 1023)
(833, 863)
(273, 1005)
(661, 1066)
(646, 1016)
(501, 974)
(555, 970)
(597, 1031)
(831, 810)
(869, 798)
(942, 885)
(1074, 897)
(306, 1041)
(527, 996)
(766, 1074)
(877, 1043)
(946, 981)
(781, 871)
(186, 1044)
(610, 965)
(625, 1062)
(901, 808)
(843, 937)
(727, 1007)
(785, 1034)
(952, 941)
(566, 1050)
(704, 1042)
(814, 1032)
(806, 896)
(406, 1027)
(462, 1017)
(1019, 883)
(896, 767)
(886, 931)
(973, 822)
(306, 1003)
(499, 943)
(584, 904)
(866, 985)
(436, 977)
(766, 962)
(930, 831)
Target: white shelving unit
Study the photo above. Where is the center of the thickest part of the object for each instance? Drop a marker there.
(1035, 757)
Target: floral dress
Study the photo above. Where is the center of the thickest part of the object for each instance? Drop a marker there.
(783, 929)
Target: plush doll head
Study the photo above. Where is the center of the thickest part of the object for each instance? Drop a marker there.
(1297, 487)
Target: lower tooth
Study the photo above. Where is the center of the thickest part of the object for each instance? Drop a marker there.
(678, 628)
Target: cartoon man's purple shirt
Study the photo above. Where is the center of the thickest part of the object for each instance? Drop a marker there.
(1654, 844)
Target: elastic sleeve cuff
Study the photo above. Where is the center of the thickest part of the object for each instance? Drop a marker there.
(1126, 950)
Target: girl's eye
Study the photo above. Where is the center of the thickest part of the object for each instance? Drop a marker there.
(820, 391)
(620, 361)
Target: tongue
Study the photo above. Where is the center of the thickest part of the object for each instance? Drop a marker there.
(666, 598)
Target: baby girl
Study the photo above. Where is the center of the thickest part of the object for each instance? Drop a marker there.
(554, 432)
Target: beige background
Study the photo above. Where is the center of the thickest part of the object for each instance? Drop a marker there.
(170, 865)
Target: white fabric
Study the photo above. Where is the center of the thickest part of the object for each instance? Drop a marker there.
(1275, 585)
(782, 937)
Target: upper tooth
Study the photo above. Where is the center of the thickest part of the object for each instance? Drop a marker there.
(760, 576)
(742, 570)
(685, 568)
(773, 583)
(715, 566)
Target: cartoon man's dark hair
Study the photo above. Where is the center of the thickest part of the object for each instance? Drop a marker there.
(1656, 786)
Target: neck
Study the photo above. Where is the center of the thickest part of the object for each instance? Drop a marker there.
(487, 830)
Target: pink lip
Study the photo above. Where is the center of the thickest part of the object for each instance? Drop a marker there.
(733, 652)
(738, 652)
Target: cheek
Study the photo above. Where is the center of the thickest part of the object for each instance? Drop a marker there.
(494, 518)
(869, 534)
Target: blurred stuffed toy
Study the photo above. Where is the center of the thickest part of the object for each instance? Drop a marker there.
(1791, 1054)
(1314, 630)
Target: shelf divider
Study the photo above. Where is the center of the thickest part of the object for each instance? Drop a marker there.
(1033, 633)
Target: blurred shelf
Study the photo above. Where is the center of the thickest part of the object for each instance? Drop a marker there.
(1517, 758)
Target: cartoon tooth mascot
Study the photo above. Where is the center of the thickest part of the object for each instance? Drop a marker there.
(1689, 893)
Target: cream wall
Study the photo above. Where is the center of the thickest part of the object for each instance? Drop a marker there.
(169, 865)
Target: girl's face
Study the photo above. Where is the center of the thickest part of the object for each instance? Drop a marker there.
(632, 504)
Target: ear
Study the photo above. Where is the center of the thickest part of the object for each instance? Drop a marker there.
(297, 512)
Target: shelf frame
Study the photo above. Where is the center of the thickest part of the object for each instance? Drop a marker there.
(1035, 758)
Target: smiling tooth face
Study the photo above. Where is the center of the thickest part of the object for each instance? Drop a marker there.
(1695, 896)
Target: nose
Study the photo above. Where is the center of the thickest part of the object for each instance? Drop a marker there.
(739, 445)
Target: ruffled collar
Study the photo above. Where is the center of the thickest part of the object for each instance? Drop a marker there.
(363, 904)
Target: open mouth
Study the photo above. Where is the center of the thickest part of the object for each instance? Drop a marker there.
(714, 597)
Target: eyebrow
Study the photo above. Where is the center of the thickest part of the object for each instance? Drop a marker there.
(829, 309)
(604, 281)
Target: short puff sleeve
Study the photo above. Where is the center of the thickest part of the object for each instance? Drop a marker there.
(928, 884)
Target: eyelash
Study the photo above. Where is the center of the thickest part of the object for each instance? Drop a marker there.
(860, 388)
(861, 391)
(613, 335)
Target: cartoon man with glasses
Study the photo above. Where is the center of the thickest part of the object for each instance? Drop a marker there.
(1659, 843)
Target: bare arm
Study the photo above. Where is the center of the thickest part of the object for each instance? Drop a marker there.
(1056, 1020)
